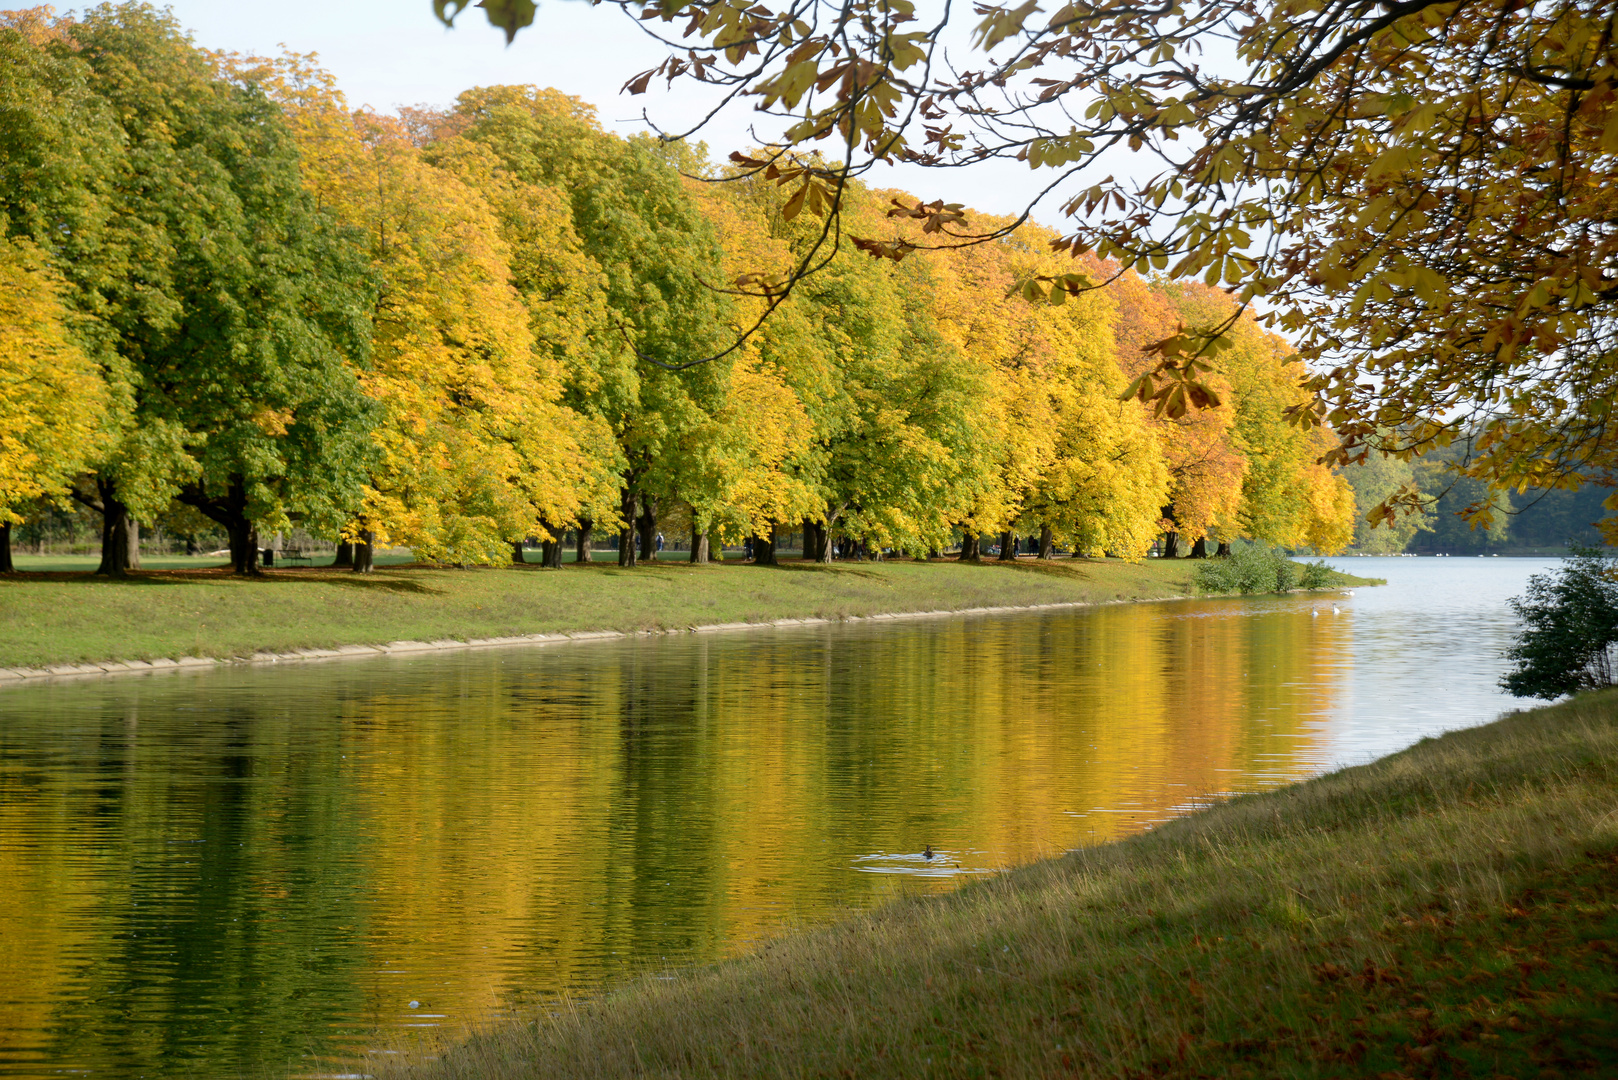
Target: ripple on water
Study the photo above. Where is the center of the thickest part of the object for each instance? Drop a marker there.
(941, 864)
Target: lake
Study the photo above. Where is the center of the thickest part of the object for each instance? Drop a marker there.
(283, 868)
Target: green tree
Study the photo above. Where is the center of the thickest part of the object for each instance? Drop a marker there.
(1569, 629)
(1374, 481)
(1456, 526)
(241, 318)
(64, 250)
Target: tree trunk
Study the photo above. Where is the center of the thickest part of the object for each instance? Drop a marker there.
(365, 552)
(1171, 545)
(516, 553)
(1224, 550)
(699, 546)
(230, 512)
(1008, 547)
(550, 551)
(133, 536)
(581, 539)
(814, 538)
(969, 548)
(626, 531)
(764, 548)
(648, 527)
(247, 563)
(1047, 546)
(243, 544)
(114, 529)
(6, 565)
(1199, 550)
(345, 554)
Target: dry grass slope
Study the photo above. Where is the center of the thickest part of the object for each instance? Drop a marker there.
(1449, 911)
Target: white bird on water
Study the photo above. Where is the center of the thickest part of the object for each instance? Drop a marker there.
(1335, 610)
(1314, 612)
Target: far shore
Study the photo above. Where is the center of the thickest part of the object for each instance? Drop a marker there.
(73, 624)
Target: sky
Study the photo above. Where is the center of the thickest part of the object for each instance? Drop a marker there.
(388, 53)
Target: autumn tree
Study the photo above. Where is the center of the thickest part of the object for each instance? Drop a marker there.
(903, 443)
(474, 450)
(1420, 192)
(657, 257)
(1206, 470)
(60, 148)
(1289, 496)
(747, 472)
(53, 398)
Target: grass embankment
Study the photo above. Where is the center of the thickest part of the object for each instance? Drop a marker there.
(78, 618)
(1448, 911)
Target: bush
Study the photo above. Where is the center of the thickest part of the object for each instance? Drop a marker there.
(1249, 568)
(1569, 629)
(1316, 575)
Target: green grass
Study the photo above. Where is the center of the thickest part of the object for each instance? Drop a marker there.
(201, 610)
(1450, 911)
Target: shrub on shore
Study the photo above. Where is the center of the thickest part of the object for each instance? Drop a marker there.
(1259, 568)
(1570, 629)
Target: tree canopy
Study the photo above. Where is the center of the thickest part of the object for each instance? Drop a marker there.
(461, 329)
(1419, 194)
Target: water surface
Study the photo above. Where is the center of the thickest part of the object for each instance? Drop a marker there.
(212, 872)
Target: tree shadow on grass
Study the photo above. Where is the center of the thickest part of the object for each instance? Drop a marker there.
(386, 583)
(148, 579)
(1073, 569)
(840, 569)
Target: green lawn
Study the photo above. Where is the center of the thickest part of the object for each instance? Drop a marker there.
(1450, 911)
(195, 608)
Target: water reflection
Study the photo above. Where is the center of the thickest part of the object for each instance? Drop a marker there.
(213, 872)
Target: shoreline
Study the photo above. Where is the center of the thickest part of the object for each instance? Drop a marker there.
(70, 626)
(15, 676)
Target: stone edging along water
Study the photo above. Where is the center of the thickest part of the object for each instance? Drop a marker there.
(19, 676)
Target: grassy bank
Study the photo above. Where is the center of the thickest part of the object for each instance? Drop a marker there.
(52, 618)
(1448, 911)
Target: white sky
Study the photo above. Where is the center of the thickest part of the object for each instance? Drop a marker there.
(387, 53)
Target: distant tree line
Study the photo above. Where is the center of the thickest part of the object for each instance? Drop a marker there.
(1537, 518)
(225, 294)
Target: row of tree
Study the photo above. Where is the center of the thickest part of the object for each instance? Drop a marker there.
(453, 330)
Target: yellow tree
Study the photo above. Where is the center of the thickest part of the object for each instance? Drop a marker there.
(52, 396)
(1205, 469)
(1289, 496)
(1072, 462)
(901, 432)
(1031, 358)
(743, 472)
(476, 450)
(657, 259)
